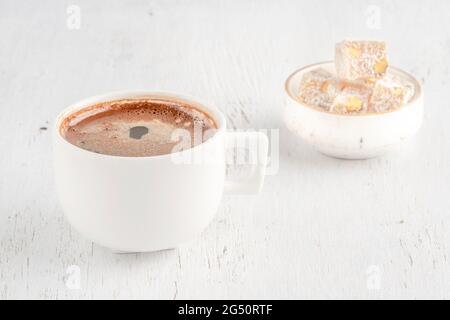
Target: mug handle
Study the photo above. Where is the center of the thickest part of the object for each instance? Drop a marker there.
(257, 146)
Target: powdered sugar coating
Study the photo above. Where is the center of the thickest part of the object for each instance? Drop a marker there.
(318, 88)
(361, 59)
(390, 93)
(353, 98)
(322, 89)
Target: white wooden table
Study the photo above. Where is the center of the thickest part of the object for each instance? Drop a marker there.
(322, 228)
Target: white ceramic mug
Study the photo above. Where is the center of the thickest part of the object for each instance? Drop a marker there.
(141, 204)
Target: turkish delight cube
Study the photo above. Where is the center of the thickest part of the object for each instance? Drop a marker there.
(354, 98)
(317, 75)
(391, 93)
(361, 59)
(318, 88)
(408, 87)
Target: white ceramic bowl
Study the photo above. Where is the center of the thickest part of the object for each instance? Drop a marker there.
(351, 136)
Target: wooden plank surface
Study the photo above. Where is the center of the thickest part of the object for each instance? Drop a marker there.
(322, 228)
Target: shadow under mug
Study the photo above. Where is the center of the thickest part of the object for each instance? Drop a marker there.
(143, 204)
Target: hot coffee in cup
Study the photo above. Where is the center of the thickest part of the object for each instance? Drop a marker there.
(148, 126)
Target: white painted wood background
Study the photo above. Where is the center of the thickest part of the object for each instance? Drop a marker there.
(322, 228)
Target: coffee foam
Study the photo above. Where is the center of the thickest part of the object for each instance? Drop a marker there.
(110, 127)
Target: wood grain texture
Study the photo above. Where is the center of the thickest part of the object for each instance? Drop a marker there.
(322, 228)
